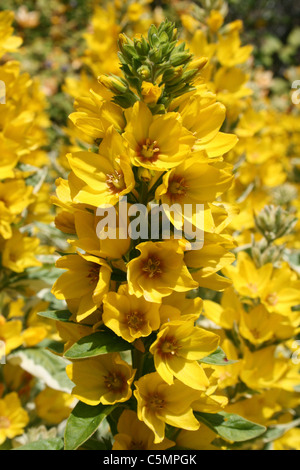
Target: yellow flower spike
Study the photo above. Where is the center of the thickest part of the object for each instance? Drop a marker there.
(178, 347)
(158, 271)
(104, 379)
(13, 418)
(160, 404)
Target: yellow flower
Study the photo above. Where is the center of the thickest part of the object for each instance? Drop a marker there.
(86, 229)
(228, 376)
(53, 406)
(135, 11)
(129, 316)
(19, 252)
(104, 178)
(104, 379)
(151, 93)
(15, 196)
(199, 440)
(7, 42)
(227, 312)
(289, 441)
(282, 291)
(10, 334)
(215, 20)
(160, 403)
(202, 115)
(178, 347)
(158, 142)
(13, 418)
(262, 369)
(158, 271)
(248, 280)
(230, 52)
(213, 257)
(94, 116)
(261, 408)
(192, 182)
(258, 325)
(70, 333)
(87, 278)
(135, 435)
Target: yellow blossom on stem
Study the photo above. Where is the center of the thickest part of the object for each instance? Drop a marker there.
(104, 379)
(160, 404)
(178, 347)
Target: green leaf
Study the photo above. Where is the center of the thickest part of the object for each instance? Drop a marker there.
(96, 344)
(44, 365)
(58, 315)
(294, 37)
(83, 422)
(56, 347)
(43, 444)
(231, 427)
(218, 358)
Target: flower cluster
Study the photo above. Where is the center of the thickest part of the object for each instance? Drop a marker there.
(152, 302)
(153, 136)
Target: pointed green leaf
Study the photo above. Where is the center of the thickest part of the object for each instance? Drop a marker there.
(231, 427)
(96, 344)
(83, 422)
(218, 358)
(43, 444)
(58, 315)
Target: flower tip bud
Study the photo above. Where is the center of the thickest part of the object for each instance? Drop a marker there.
(198, 64)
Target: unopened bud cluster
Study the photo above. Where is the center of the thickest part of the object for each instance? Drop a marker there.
(274, 223)
(156, 61)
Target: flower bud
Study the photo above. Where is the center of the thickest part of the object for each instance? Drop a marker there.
(151, 93)
(112, 83)
(144, 71)
(180, 58)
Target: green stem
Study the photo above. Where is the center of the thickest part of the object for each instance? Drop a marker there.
(137, 362)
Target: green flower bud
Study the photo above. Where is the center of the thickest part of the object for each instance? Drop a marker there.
(180, 58)
(144, 71)
(274, 222)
